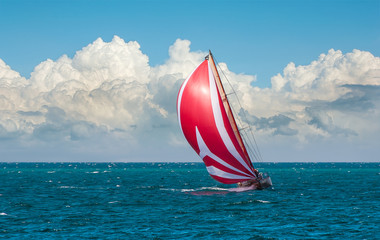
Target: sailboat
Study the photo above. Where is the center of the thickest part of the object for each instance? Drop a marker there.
(209, 125)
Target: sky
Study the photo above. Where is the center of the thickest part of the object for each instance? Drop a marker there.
(91, 80)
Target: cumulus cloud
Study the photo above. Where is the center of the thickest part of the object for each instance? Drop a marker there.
(338, 94)
(108, 90)
(107, 95)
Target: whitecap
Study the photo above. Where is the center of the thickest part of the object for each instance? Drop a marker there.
(169, 189)
(188, 190)
(214, 188)
(263, 201)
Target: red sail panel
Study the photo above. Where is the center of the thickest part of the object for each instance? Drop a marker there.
(206, 127)
(227, 107)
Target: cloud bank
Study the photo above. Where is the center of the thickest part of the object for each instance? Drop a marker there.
(108, 101)
(336, 95)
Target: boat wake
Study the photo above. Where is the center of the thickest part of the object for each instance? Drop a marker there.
(207, 191)
(211, 190)
(242, 189)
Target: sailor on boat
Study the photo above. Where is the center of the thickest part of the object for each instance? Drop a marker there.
(253, 182)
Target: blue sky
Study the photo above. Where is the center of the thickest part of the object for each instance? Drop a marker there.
(254, 37)
(308, 72)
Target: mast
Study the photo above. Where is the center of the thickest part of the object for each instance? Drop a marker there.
(227, 107)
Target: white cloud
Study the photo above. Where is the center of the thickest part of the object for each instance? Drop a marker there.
(109, 96)
(338, 94)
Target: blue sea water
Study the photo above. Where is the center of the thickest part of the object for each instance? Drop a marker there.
(181, 201)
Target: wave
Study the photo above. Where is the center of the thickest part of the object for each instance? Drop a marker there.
(195, 189)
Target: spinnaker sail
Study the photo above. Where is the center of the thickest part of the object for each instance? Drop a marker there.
(206, 120)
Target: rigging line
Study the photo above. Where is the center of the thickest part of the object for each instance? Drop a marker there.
(254, 139)
(231, 93)
(254, 151)
(255, 146)
(257, 149)
(248, 140)
(243, 128)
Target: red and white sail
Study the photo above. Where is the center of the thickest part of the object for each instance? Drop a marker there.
(209, 127)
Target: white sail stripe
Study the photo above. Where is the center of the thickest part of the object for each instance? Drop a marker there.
(180, 96)
(205, 151)
(219, 121)
(212, 170)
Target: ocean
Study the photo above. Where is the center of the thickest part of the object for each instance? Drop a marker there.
(181, 201)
